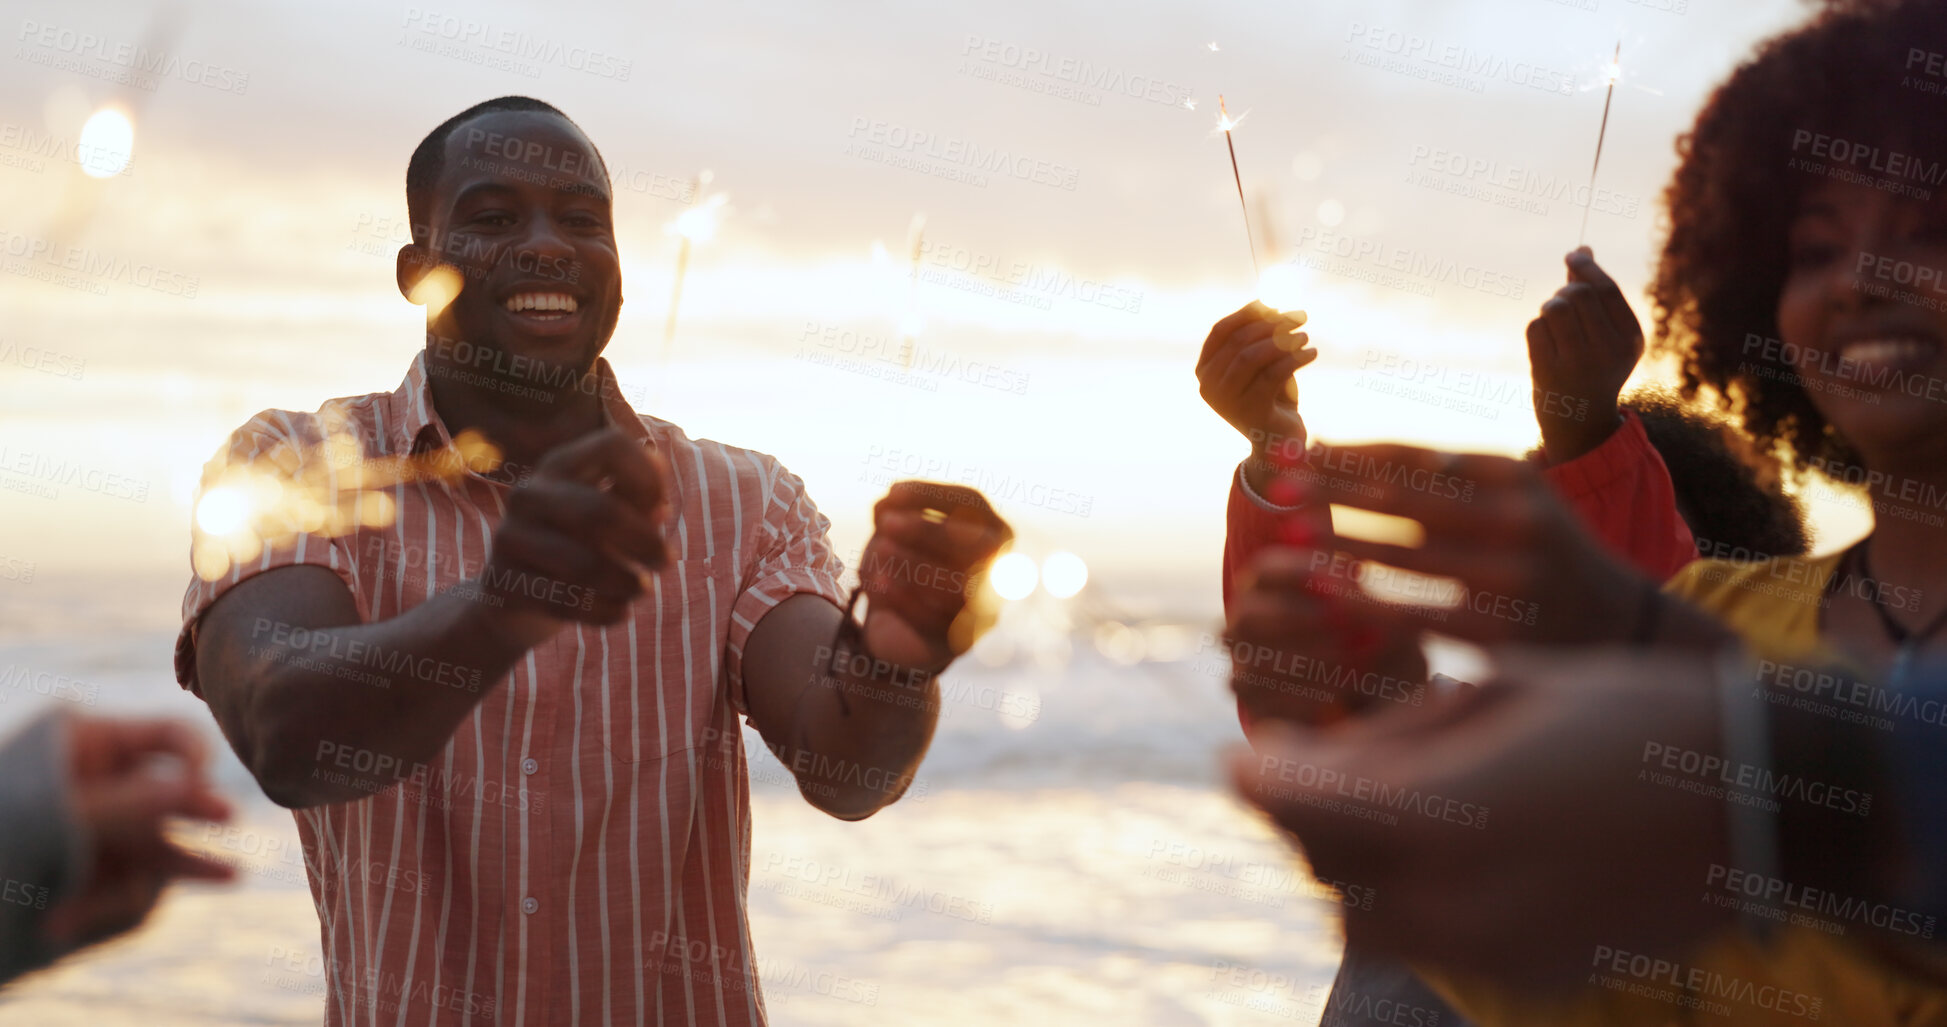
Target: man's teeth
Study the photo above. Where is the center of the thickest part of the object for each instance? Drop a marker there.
(543, 301)
(1887, 350)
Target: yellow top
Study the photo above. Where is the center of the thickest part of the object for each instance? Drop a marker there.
(1801, 975)
(1772, 604)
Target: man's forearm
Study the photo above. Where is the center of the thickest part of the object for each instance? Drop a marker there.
(342, 712)
(863, 726)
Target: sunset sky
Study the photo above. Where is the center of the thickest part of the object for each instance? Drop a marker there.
(1416, 154)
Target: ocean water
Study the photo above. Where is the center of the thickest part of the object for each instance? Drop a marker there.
(1068, 855)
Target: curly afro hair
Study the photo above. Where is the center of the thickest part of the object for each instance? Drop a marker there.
(1732, 498)
(1850, 73)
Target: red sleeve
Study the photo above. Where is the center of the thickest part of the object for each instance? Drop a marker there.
(1249, 526)
(1620, 489)
(1622, 492)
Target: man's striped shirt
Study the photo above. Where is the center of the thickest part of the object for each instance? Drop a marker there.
(579, 851)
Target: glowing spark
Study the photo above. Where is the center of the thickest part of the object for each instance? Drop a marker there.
(107, 138)
(1213, 47)
(1190, 104)
(699, 224)
(1224, 121)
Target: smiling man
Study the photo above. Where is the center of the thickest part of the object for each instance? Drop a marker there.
(490, 634)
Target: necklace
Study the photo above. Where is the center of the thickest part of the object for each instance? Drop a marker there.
(1907, 641)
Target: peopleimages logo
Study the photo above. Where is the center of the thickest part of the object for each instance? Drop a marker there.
(956, 151)
(1523, 185)
(1452, 64)
(1836, 909)
(95, 267)
(1892, 163)
(515, 43)
(1695, 985)
(1038, 63)
(85, 52)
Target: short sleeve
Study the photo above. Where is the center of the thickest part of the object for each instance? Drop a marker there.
(251, 517)
(793, 557)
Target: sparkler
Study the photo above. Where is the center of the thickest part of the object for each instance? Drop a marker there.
(1614, 72)
(698, 224)
(916, 241)
(1225, 122)
(1304, 527)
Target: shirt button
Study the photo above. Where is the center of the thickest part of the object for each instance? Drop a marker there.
(530, 765)
(530, 904)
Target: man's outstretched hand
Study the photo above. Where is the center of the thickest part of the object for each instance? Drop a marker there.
(578, 536)
(1529, 834)
(931, 544)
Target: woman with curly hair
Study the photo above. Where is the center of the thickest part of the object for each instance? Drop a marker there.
(1803, 285)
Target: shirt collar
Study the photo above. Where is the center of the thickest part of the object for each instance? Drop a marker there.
(418, 430)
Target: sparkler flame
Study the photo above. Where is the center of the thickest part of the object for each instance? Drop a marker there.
(1224, 121)
(699, 223)
(331, 486)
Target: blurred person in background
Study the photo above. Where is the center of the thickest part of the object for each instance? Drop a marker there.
(1786, 287)
(1598, 455)
(83, 854)
(1583, 870)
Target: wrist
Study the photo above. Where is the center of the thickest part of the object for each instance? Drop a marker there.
(1565, 439)
(491, 619)
(851, 658)
(850, 670)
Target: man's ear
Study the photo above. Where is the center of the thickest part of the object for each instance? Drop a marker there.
(411, 267)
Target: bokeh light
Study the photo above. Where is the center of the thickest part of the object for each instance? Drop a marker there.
(1063, 574)
(107, 140)
(1013, 576)
(1281, 287)
(223, 511)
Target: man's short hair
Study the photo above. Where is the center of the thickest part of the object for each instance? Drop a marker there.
(429, 158)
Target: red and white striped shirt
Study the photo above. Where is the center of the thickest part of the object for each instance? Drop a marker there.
(579, 851)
